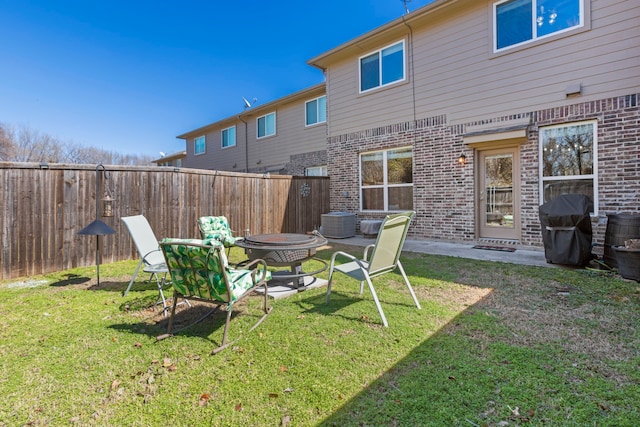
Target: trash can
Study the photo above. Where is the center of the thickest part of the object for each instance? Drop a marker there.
(566, 230)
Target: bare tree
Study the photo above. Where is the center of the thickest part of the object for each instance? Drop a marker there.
(6, 143)
(27, 145)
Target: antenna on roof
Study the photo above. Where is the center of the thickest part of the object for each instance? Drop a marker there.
(248, 104)
(406, 8)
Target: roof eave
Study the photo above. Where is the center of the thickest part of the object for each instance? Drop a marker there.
(256, 110)
(322, 61)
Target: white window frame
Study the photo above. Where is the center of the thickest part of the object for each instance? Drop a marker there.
(311, 171)
(222, 137)
(266, 135)
(593, 176)
(318, 119)
(197, 141)
(534, 36)
(385, 185)
(379, 53)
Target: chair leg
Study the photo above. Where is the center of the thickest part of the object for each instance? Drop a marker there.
(329, 284)
(266, 298)
(173, 312)
(162, 298)
(406, 280)
(375, 298)
(226, 343)
(135, 274)
(226, 327)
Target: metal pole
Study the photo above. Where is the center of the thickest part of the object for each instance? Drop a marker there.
(98, 257)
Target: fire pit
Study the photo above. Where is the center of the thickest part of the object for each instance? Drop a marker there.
(285, 250)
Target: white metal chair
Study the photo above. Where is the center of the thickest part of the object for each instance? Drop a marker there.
(385, 258)
(151, 258)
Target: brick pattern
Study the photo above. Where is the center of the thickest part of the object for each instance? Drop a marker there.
(444, 190)
(299, 162)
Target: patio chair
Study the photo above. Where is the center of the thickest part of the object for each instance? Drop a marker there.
(385, 258)
(200, 271)
(216, 227)
(150, 254)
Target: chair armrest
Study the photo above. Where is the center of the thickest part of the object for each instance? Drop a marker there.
(366, 251)
(144, 257)
(344, 254)
(254, 266)
(348, 256)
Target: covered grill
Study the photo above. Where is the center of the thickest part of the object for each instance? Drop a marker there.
(566, 229)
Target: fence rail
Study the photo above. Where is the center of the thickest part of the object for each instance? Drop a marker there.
(46, 205)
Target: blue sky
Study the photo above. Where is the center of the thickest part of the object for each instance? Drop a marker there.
(129, 76)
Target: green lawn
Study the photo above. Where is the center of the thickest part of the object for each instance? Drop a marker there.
(494, 345)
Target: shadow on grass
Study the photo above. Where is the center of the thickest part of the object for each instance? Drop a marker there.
(200, 320)
(71, 279)
(391, 399)
(341, 300)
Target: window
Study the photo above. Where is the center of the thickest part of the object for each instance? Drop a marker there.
(568, 155)
(316, 171)
(199, 145)
(520, 21)
(229, 137)
(383, 67)
(316, 111)
(386, 180)
(267, 125)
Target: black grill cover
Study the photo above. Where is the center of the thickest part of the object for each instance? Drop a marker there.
(566, 229)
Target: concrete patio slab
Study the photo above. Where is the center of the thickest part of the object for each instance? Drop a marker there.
(529, 256)
(282, 289)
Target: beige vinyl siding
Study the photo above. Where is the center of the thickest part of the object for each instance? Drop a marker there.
(292, 137)
(457, 73)
(216, 157)
(350, 110)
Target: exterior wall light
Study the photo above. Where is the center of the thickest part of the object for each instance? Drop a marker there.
(462, 160)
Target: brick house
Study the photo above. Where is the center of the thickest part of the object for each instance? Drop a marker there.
(473, 113)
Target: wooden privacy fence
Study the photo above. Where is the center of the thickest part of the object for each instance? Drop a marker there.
(44, 206)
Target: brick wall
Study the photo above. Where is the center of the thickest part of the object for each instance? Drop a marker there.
(299, 162)
(444, 190)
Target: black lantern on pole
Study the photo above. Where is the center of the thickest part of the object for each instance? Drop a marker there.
(98, 228)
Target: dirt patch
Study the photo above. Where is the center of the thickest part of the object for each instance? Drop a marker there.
(26, 284)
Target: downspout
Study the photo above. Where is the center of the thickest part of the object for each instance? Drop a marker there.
(246, 145)
(413, 90)
(413, 76)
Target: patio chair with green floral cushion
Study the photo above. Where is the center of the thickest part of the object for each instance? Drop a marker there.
(216, 227)
(200, 271)
(385, 258)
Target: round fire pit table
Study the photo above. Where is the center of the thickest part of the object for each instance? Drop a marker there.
(285, 250)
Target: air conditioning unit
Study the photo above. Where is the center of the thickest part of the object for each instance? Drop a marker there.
(338, 225)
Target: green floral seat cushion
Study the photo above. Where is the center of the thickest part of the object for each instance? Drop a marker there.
(216, 227)
(199, 270)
